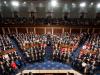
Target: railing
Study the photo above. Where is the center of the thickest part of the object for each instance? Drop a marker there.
(7, 51)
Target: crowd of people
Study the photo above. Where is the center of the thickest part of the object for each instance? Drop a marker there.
(24, 39)
(64, 45)
(42, 21)
(5, 43)
(93, 43)
(11, 63)
(89, 59)
(34, 46)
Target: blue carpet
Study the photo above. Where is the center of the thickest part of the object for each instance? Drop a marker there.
(48, 52)
(18, 51)
(48, 65)
(76, 53)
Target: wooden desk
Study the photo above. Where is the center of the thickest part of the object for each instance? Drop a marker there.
(8, 51)
(49, 71)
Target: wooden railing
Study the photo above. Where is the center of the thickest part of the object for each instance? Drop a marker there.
(7, 51)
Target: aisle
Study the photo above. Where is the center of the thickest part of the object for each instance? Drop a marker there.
(76, 52)
(15, 43)
(48, 53)
(49, 49)
(48, 65)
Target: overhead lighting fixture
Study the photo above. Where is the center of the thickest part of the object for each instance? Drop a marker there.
(15, 3)
(54, 3)
(98, 5)
(40, 5)
(24, 3)
(73, 5)
(91, 3)
(65, 7)
(5, 2)
(83, 4)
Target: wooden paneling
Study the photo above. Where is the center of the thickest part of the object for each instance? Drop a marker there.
(90, 30)
(97, 31)
(48, 30)
(84, 30)
(1, 31)
(43, 30)
(30, 29)
(66, 29)
(12, 30)
(75, 30)
(39, 30)
(21, 30)
(57, 31)
(6, 30)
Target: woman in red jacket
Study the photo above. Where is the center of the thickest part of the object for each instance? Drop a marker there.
(13, 65)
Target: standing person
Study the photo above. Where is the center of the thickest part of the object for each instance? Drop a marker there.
(13, 66)
(2, 70)
(84, 64)
(18, 63)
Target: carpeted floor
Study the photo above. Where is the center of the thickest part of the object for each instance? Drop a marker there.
(48, 65)
(14, 42)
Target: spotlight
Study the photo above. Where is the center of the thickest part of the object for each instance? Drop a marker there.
(82, 4)
(73, 5)
(5, 2)
(54, 3)
(15, 3)
(40, 5)
(98, 5)
(91, 3)
(24, 2)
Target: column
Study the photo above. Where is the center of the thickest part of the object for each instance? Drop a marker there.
(80, 30)
(34, 30)
(93, 30)
(52, 30)
(16, 30)
(9, 30)
(3, 30)
(70, 30)
(63, 30)
(88, 30)
(27, 29)
(45, 30)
